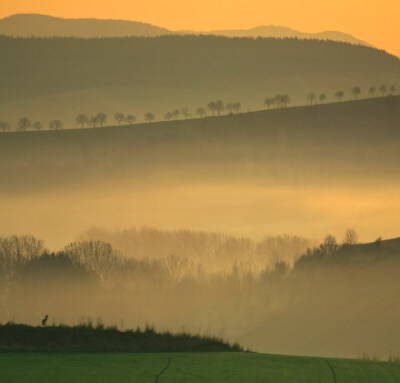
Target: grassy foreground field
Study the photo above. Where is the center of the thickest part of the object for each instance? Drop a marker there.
(189, 367)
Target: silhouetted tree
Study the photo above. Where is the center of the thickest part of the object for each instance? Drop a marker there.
(185, 112)
(311, 97)
(278, 100)
(392, 89)
(82, 119)
(149, 117)
(268, 102)
(356, 91)
(37, 125)
(23, 124)
(339, 95)
(55, 125)
(372, 91)
(101, 118)
(350, 237)
(168, 116)
(119, 117)
(93, 121)
(322, 98)
(201, 112)
(229, 107)
(212, 106)
(285, 99)
(4, 126)
(130, 119)
(383, 89)
(176, 114)
(219, 106)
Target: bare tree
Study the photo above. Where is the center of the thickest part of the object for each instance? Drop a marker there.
(339, 95)
(383, 89)
(350, 237)
(101, 118)
(322, 98)
(212, 106)
(392, 89)
(176, 114)
(201, 111)
(269, 101)
(23, 124)
(82, 119)
(356, 91)
(219, 106)
(119, 117)
(311, 97)
(37, 125)
(4, 126)
(130, 119)
(278, 100)
(185, 112)
(372, 91)
(55, 125)
(149, 117)
(285, 99)
(229, 107)
(93, 121)
(168, 116)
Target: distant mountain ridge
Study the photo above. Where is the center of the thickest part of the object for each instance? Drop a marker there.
(27, 25)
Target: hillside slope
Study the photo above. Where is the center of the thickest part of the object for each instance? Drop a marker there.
(345, 304)
(323, 144)
(28, 25)
(64, 77)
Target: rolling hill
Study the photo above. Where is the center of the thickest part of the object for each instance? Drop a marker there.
(28, 25)
(58, 78)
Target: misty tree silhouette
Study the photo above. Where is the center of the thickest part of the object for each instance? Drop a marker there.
(339, 95)
(168, 116)
(23, 124)
(285, 99)
(4, 126)
(269, 101)
(130, 119)
(82, 119)
(322, 98)
(311, 97)
(119, 117)
(356, 91)
(201, 111)
(185, 112)
(149, 117)
(101, 118)
(392, 89)
(383, 89)
(37, 125)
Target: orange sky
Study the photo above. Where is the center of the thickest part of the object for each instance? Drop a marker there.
(376, 21)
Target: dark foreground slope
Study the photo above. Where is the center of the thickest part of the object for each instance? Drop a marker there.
(86, 338)
(61, 77)
(356, 141)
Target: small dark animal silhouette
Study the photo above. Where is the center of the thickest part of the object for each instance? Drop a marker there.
(44, 320)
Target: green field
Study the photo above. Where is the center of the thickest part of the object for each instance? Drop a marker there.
(189, 367)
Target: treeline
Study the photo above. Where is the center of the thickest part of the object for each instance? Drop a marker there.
(214, 107)
(88, 338)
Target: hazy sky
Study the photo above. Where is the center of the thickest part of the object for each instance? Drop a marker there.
(376, 21)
